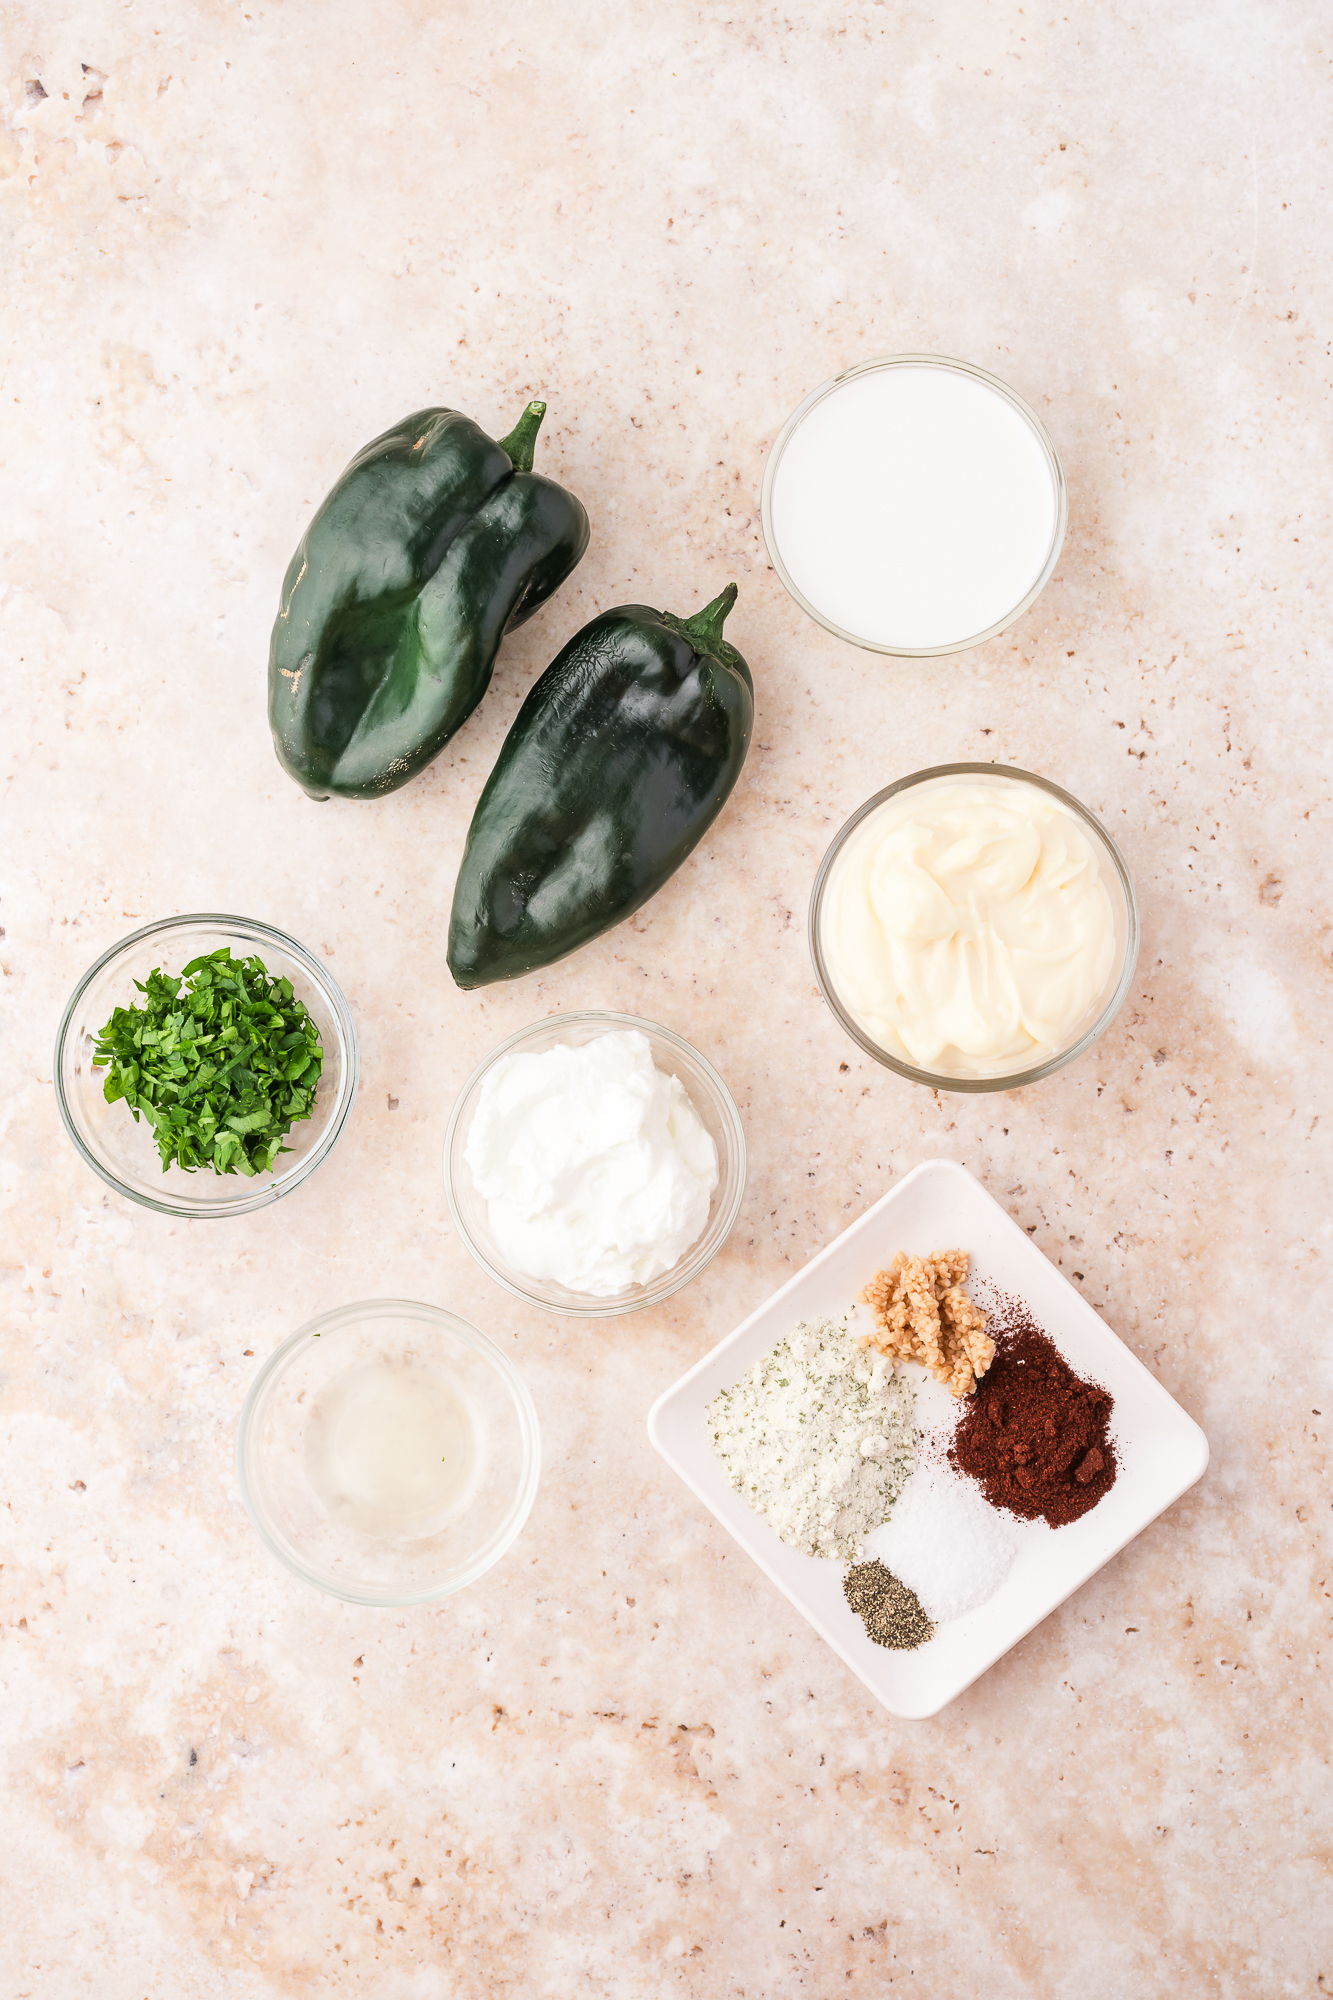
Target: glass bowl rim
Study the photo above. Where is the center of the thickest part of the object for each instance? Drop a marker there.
(472, 1336)
(872, 366)
(1014, 1079)
(682, 1273)
(274, 1190)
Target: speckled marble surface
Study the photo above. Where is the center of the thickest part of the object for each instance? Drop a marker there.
(236, 245)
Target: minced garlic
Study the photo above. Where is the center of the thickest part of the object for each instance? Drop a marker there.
(923, 1314)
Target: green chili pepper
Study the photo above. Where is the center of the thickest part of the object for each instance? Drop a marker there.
(434, 543)
(618, 762)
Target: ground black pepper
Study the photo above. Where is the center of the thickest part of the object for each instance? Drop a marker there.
(891, 1613)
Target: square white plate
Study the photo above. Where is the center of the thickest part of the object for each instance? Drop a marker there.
(1161, 1451)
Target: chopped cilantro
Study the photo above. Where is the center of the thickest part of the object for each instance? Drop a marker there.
(222, 1062)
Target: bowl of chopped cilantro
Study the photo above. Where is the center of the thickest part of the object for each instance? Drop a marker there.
(206, 1065)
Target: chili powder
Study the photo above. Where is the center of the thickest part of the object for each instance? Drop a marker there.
(1035, 1436)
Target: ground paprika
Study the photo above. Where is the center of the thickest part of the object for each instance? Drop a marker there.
(1035, 1436)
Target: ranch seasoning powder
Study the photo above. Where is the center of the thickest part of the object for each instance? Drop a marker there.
(818, 1438)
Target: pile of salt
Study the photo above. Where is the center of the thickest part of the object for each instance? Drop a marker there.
(945, 1542)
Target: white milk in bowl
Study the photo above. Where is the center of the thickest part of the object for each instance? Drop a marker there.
(914, 505)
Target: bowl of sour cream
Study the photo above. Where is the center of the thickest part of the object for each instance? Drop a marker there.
(974, 927)
(594, 1164)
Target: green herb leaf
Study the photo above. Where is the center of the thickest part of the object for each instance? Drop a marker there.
(222, 1060)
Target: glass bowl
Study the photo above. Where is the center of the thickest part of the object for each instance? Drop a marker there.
(710, 1098)
(121, 1149)
(336, 1453)
(1124, 906)
(1046, 452)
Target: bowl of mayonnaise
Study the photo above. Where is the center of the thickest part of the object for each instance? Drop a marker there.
(974, 927)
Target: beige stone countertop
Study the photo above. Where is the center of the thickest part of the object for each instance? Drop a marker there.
(239, 239)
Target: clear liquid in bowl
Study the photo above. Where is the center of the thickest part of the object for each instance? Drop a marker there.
(392, 1448)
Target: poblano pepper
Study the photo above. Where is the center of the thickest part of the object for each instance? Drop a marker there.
(433, 544)
(617, 764)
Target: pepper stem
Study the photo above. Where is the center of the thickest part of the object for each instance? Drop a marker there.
(705, 628)
(523, 437)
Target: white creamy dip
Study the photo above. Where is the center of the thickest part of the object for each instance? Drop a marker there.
(967, 927)
(596, 1168)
